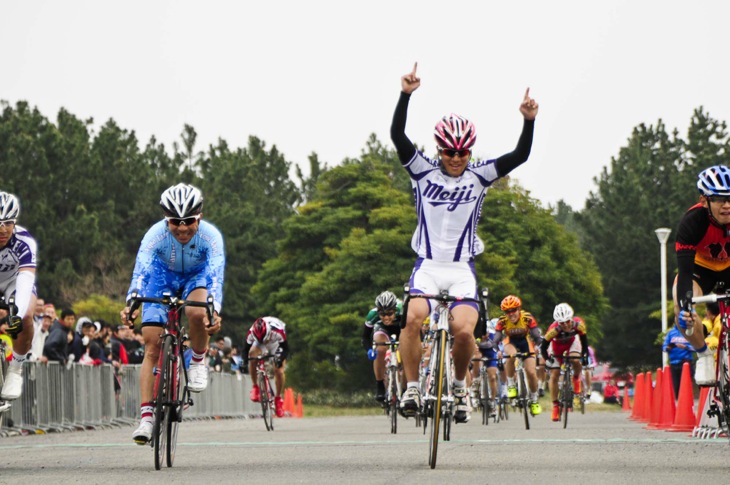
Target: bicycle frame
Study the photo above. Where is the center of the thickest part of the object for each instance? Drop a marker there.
(522, 389)
(394, 387)
(170, 391)
(264, 373)
(720, 405)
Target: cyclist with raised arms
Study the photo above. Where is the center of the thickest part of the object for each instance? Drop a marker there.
(560, 338)
(184, 255)
(267, 335)
(703, 260)
(523, 334)
(448, 193)
(17, 277)
(380, 323)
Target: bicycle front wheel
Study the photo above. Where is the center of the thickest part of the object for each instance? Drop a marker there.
(393, 399)
(162, 384)
(266, 401)
(723, 386)
(567, 397)
(523, 398)
(174, 414)
(436, 394)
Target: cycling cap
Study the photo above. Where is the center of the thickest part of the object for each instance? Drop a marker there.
(714, 181)
(9, 206)
(455, 132)
(386, 301)
(260, 330)
(563, 312)
(510, 302)
(182, 200)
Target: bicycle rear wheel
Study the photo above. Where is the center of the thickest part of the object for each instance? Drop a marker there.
(162, 384)
(437, 389)
(523, 399)
(174, 414)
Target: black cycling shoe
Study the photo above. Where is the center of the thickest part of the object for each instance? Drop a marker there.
(380, 398)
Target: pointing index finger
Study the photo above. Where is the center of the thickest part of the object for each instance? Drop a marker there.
(415, 66)
(527, 93)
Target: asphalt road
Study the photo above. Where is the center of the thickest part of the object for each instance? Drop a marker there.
(598, 447)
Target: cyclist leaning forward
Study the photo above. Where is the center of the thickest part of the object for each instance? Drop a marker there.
(267, 335)
(560, 338)
(448, 193)
(522, 334)
(381, 322)
(703, 239)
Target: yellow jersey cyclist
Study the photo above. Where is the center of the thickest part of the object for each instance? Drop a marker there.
(381, 322)
(520, 332)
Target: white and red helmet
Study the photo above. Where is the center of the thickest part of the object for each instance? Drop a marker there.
(455, 132)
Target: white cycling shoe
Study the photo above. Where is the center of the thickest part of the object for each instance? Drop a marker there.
(143, 434)
(197, 377)
(13, 386)
(705, 369)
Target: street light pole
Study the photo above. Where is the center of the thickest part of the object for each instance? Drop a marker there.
(663, 234)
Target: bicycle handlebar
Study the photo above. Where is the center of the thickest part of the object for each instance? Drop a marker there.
(711, 298)
(168, 300)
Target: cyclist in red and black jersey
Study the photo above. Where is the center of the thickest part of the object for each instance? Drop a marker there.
(703, 260)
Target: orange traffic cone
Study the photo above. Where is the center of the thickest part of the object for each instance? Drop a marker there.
(300, 407)
(638, 398)
(668, 407)
(704, 391)
(684, 420)
(625, 404)
(648, 395)
(656, 402)
(288, 402)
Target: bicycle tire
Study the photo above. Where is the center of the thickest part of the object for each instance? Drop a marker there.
(447, 411)
(3, 371)
(265, 391)
(567, 395)
(435, 407)
(159, 430)
(174, 413)
(723, 386)
(393, 399)
(523, 398)
(484, 398)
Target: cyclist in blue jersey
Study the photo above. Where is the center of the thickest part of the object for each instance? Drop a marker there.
(17, 277)
(184, 255)
(448, 192)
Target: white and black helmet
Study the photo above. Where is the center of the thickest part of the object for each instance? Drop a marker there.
(9, 206)
(563, 312)
(182, 200)
(386, 301)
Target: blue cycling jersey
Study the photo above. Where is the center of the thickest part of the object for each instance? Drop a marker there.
(163, 264)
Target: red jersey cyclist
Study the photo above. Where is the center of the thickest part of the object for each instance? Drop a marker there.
(448, 194)
(566, 334)
(267, 335)
(17, 277)
(703, 260)
(522, 334)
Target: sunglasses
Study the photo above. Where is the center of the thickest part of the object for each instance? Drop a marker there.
(7, 222)
(449, 152)
(719, 198)
(387, 314)
(514, 310)
(176, 221)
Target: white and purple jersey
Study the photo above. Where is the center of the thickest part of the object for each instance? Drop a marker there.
(448, 208)
(19, 252)
(164, 264)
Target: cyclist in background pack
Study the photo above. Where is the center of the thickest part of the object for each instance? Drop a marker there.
(560, 338)
(489, 351)
(380, 323)
(703, 242)
(267, 335)
(449, 192)
(184, 255)
(518, 325)
(17, 277)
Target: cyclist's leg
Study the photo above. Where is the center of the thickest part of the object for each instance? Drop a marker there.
(279, 381)
(13, 386)
(151, 334)
(254, 351)
(379, 364)
(509, 369)
(410, 351)
(554, 377)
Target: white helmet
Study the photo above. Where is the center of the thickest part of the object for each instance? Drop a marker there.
(563, 312)
(182, 200)
(9, 206)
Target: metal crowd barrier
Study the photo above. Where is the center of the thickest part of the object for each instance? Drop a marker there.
(82, 397)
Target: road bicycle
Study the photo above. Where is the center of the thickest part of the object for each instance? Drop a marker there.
(522, 401)
(437, 402)
(486, 398)
(566, 393)
(264, 374)
(720, 404)
(171, 394)
(394, 385)
(4, 405)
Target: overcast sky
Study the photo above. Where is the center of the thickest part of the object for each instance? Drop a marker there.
(323, 75)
